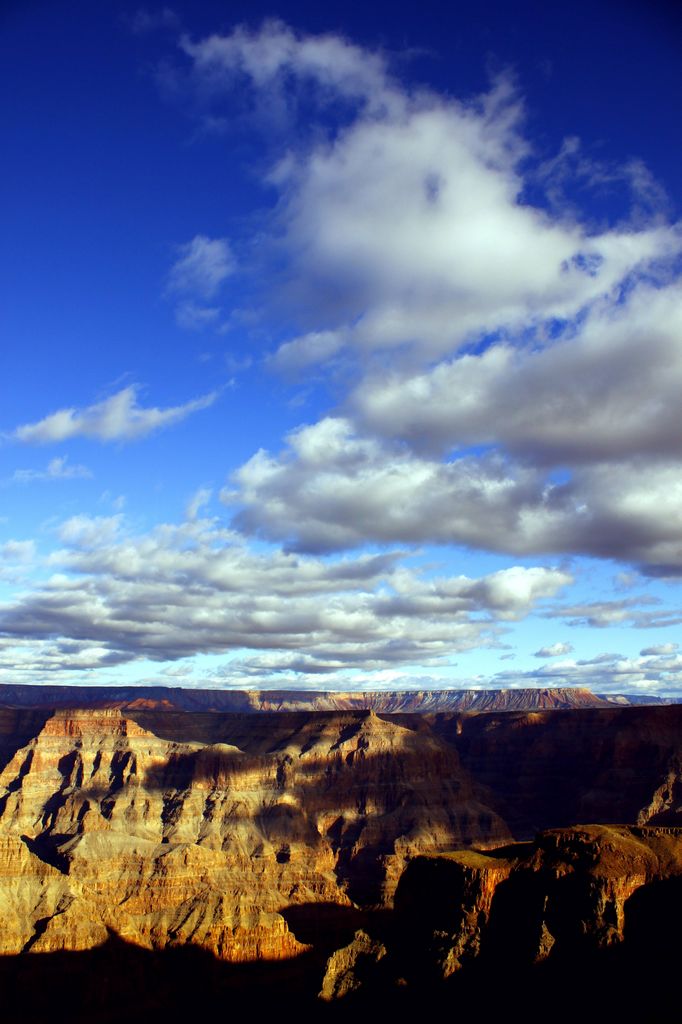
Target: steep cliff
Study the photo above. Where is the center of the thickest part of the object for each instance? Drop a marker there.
(108, 825)
(253, 701)
(590, 902)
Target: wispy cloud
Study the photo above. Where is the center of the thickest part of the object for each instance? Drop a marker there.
(118, 418)
(202, 266)
(56, 469)
(144, 20)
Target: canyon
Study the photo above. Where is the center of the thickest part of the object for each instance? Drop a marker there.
(338, 856)
(254, 701)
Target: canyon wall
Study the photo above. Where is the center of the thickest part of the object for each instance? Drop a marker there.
(276, 838)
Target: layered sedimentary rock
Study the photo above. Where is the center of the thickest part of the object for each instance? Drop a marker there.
(261, 838)
(110, 825)
(254, 701)
(563, 901)
(556, 768)
(567, 890)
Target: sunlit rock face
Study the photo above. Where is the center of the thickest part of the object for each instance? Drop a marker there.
(174, 829)
(254, 701)
(259, 837)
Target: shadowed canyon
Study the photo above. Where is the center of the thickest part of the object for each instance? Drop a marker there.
(332, 857)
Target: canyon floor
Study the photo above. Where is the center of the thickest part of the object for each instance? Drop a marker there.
(324, 860)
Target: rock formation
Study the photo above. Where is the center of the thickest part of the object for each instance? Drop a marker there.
(253, 701)
(282, 838)
(574, 911)
(107, 825)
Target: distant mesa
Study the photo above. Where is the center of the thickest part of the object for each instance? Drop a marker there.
(253, 701)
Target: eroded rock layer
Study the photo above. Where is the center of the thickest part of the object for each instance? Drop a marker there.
(260, 838)
(203, 830)
(253, 701)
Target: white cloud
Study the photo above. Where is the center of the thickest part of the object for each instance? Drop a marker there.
(270, 59)
(192, 317)
(83, 531)
(554, 650)
(404, 225)
(198, 500)
(57, 469)
(660, 649)
(202, 266)
(637, 612)
(612, 391)
(540, 348)
(193, 588)
(606, 673)
(17, 552)
(309, 349)
(332, 488)
(118, 418)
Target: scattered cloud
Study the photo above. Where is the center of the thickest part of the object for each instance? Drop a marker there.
(202, 266)
(636, 612)
(198, 500)
(57, 469)
(554, 650)
(197, 588)
(144, 20)
(516, 367)
(118, 418)
(660, 649)
(17, 552)
(607, 673)
(193, 317)
(333, 488)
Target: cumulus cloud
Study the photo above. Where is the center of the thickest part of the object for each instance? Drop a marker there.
(611, 391)
(554, 650)
(182, 590)
(333, 488)
(118, 418)
(405, 224)
(530, 401)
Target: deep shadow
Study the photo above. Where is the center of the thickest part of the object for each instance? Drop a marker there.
(330, 926)
(653, 924)
(119, 981)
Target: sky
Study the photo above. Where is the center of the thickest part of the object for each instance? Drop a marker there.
(341, 345)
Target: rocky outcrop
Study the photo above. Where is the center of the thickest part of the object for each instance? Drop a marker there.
(111, 826)
(562, 900)
(282, 838)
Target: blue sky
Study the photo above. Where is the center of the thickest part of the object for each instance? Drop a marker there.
(341, 347)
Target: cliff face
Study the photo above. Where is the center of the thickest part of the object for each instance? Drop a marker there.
(573, 901)
(566, 892)
(555, 768)
(255, 837)
(106, 823)
(253, 701)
